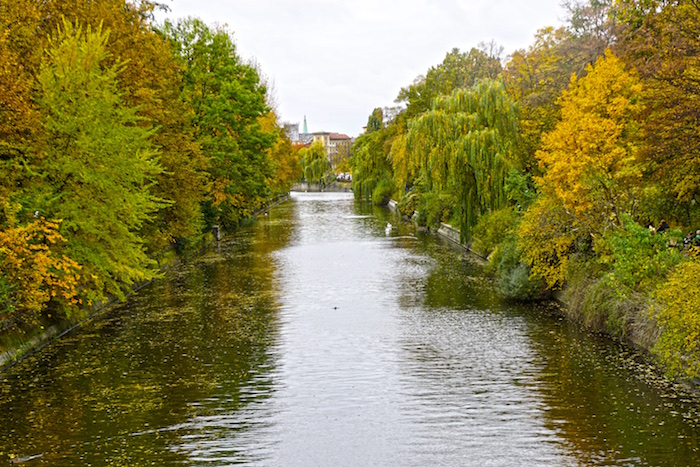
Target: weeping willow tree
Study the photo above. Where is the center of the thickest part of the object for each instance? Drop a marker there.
(465, 145)
(314, 163)
(371, 167)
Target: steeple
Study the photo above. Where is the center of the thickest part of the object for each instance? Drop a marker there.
(306, 130)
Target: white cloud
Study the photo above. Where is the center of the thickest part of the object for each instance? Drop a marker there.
(334, 61)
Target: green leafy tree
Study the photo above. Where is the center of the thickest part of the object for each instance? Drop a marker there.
(457, 70)
(465, 145)
(97, 163)
(375, 122)
(370, 162)
(314, 163)
(227, 100)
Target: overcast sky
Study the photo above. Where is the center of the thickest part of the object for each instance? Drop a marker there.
(336, 60)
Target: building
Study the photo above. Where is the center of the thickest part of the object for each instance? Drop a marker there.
(292, 130)
(339, 147)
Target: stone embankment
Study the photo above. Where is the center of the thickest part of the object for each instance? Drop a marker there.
(334, 187)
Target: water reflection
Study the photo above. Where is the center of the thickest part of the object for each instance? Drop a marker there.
(127, 388)
(318, 336)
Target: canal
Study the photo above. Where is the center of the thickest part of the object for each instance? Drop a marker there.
(321, 335)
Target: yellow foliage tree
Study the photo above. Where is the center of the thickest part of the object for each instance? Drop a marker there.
(548, 235)
(589, 160)
(284, 157)
(33, 272)
(678, 316)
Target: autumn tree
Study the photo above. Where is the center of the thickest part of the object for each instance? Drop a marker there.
(591, 173)
(227, 100)
(35, 272)
(152, 84)
(283, 156)
(97, 163)
(661, 40)
(18, 116)
(590, 158)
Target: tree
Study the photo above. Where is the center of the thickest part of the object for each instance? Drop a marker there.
(227, 101)
(370, 161)
(34, 272)
(465, 144)
(314, 163)
(660, 38)
(457, 70)
(283, 156)
(375, 122)
(97, 164)
(18, 115)
(590, 159)
(679, 320)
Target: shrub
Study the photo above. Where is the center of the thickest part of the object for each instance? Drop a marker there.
(515, 281)
(492, 229)
(636, 258)
(435, 207)
(678, 315)
(382, 192)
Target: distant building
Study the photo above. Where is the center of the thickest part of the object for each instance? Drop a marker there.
(337, 144)
(292, 130)
(339, 147)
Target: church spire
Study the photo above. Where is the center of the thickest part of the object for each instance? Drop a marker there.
(306, 130)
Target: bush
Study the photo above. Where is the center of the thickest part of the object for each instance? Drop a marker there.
(636, 258)
(408, 203)
(435, 208)
(492, 229)
(678, 315)
(382, 192)
(515, 281)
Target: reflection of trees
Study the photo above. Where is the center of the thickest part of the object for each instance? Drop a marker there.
(608, 403)
(456, 280)
(194, 343)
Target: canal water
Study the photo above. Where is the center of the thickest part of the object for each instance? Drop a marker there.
(330, 334)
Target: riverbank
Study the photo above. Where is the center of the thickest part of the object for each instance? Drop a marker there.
(19, 344)
(334, 187)
(628, 320)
